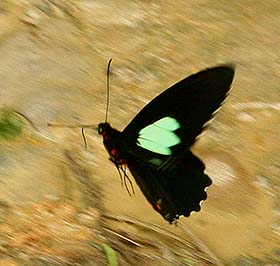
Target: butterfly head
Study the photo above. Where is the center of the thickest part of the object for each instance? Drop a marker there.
(103, 128)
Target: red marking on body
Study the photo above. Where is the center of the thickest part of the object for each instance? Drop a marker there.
(106, 137)
(114, 152)
(123, 161)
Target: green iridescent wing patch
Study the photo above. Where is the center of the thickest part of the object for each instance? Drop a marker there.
(159, 136)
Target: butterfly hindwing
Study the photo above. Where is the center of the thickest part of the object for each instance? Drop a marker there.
(174, 186)
(190, 102)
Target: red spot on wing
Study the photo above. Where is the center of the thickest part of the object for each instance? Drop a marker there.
(158, 207)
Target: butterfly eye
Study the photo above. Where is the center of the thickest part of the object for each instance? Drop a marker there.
(103, 128)
(100, 129)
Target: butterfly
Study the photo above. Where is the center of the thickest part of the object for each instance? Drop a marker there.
(155, 145)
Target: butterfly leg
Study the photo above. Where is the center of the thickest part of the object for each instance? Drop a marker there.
(123, 176)
(118, 168)
(126, 177)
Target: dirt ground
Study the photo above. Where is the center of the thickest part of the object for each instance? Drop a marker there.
(62, 204)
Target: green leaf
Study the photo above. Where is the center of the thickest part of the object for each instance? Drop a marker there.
(10, 124)
(111, 255)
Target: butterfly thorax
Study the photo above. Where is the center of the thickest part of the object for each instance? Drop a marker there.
(113, 142)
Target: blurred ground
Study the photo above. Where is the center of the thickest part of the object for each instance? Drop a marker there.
(62, 205)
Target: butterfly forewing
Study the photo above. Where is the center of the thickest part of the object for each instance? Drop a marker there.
(160, 136)
(192, 101)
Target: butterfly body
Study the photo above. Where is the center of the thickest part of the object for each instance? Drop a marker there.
(155, 144)
(113, 142)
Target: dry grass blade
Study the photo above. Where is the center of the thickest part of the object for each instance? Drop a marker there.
(123, 237)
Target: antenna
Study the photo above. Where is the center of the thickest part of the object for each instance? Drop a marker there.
(108, 88)
(82, 126)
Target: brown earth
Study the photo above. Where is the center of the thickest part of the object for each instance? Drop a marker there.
(63, 205)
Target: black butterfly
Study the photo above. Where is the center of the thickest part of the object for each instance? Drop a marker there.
(155, 144)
